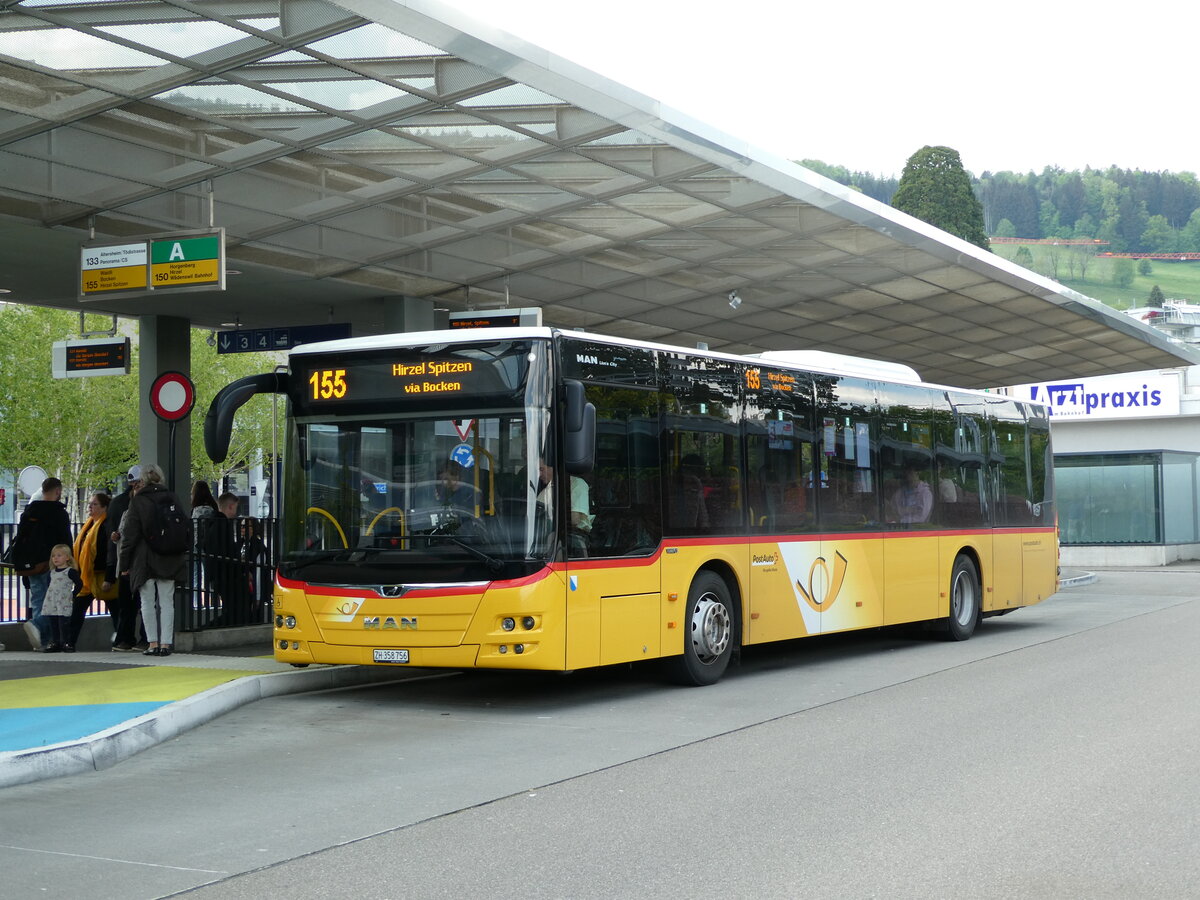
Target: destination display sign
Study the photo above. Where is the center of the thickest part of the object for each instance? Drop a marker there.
(342, 379)
(187, 261)
(78, 359)
(180, 261)
(496, 318)
(112, 267)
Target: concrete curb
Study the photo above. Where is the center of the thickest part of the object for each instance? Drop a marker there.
(1077, 580)
(111, 746)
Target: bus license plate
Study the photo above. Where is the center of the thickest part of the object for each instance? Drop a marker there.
(391, 656)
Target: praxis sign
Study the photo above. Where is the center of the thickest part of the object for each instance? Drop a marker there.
(1139, 395)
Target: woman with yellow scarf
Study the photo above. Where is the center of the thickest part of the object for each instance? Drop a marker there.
(91, 554)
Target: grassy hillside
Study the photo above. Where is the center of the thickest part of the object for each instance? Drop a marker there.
(1179, 279)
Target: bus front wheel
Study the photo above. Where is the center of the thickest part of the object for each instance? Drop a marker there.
(709, 633)
(964, 600)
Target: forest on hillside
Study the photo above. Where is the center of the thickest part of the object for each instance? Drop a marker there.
(1133, 211)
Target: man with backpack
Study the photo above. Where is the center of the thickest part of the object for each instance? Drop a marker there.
(155, 538)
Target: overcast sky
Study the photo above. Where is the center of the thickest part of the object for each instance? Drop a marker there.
(1011, 86)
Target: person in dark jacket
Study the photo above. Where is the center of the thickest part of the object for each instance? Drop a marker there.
(124, 608)
(152, 576)
(227, 575)
(44, 524)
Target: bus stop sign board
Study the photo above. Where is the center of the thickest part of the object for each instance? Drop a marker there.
(175, 262)
(179, 261)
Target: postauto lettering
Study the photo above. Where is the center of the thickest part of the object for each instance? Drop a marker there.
(1074, 395)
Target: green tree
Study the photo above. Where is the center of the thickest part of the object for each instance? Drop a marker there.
(85, 430)
(1158, 236)
(936, 189)
(1189, 235)
(1144, 268)
(252, 426)
(1122, 272)
(82, 430)
(1156, 297)
(1005, 228)
(1023, 257)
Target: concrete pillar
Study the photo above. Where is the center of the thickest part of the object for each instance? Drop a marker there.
(164, 345)
(401, 314)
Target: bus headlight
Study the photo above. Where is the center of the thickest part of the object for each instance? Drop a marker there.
(508, 623)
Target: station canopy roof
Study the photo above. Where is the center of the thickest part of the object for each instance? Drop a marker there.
(361, 150)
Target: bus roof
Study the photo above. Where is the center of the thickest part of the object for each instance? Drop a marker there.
(818, 361)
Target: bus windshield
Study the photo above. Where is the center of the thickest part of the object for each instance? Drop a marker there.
(402, 490)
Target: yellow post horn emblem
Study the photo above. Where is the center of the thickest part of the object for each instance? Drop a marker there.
(835, 584)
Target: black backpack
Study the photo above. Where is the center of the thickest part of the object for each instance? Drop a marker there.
(170, 531)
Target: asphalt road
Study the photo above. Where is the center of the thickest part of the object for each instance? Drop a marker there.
(1053, 755)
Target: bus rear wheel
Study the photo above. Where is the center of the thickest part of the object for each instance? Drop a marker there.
(709, 632)
(965, 605)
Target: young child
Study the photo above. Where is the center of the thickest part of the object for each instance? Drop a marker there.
(65, 583)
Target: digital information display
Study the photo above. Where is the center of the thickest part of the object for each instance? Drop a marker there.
(467, 371)
(78, 359)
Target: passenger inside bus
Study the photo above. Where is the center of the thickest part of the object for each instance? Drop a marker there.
(453, 491)
(580, 525)
(688, 511)
(912, 501)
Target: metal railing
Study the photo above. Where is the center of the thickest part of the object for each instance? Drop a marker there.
(229, 582)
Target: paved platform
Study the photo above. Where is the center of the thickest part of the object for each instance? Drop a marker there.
(64, 713)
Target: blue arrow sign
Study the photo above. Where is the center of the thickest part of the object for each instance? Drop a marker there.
(256, 340)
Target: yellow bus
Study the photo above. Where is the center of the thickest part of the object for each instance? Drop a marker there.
(530, 498)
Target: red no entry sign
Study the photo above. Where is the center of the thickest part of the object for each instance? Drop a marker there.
(172, 396)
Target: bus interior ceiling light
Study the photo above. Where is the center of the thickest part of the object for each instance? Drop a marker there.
(735, 299)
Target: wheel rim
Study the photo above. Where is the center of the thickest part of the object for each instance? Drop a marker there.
(962, 599)
(711, 628)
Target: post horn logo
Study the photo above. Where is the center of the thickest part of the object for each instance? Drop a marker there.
(834, 584)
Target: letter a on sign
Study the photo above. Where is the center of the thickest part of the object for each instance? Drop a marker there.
(176, 252)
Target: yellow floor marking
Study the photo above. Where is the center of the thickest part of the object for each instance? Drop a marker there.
(135, 685)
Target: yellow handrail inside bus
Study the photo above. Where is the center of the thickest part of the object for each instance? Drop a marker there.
(341, 534)
(491, 498)
(398, 511)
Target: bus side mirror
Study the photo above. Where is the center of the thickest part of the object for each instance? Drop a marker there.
(579, 444)
(218, 424)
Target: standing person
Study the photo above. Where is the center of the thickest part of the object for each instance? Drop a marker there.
(124, 608)
(152, 576)
(221, 557)
(44, 523)
(91, 558)
(60, 598)
(204, 511)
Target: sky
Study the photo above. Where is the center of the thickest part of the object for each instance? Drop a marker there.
(1014, 86)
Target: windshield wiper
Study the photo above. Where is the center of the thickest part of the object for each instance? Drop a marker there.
(494, 565)
(323, 556)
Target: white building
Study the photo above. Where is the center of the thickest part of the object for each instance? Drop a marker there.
(1126, 466)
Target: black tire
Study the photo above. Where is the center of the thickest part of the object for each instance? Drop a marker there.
(965, 600)
(710, 632)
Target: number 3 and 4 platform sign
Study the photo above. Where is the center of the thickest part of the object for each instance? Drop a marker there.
(180, 261)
